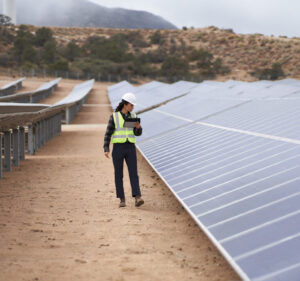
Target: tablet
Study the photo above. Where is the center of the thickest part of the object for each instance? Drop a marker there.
(129, 123)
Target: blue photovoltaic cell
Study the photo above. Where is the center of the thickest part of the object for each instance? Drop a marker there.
(230, 152)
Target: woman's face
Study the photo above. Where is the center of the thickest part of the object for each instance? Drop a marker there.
(129, 107)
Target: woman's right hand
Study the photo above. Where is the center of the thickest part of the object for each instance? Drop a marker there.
(106, 154)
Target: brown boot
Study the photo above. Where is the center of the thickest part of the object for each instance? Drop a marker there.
(122, 203)
(138, 201)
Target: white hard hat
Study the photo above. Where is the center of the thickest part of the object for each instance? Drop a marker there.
(130, 97)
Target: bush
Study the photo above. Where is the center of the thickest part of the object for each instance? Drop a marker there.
(272, 73)
(49, 52)
(156, 38)
(174, 67)
(60, 65)
(136, 39)
(157, 56)
(29, 54)
(203, 57)
(113, 49)
(42, 36)
(219, 68)
(72, 51)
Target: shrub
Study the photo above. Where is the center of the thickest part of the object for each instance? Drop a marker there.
(42, 36)
(72, 51)
(113, 49)
(29, 54)
(174, 67)
(156, 38)
(219, 68)
(60, 65)
(136, 39)
(49, 52)
(157, 56)
(272, 73)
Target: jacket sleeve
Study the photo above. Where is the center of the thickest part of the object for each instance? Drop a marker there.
(138, 132)
(109, 131)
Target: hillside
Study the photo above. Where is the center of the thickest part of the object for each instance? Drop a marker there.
(83, 13)
(192, 54)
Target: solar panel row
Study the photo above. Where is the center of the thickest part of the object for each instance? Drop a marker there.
(230, 153)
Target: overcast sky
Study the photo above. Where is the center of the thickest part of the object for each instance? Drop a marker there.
(277, 17)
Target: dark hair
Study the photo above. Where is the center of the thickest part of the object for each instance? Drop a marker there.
(121, 104)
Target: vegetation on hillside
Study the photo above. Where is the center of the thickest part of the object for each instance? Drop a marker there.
(187, 54)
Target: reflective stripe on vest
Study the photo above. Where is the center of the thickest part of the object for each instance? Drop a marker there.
(121, 133)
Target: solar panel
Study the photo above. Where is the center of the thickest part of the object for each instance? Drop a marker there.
(151, 94)
(273, 117)
(230, 153)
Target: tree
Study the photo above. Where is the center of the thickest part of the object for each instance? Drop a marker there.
(60, 65)
(72, 51)
(28, 54)
(5, 20)
(42, 36)
(49, 52)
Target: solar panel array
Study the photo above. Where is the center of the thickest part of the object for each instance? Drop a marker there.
(230, 153)
(11, 87)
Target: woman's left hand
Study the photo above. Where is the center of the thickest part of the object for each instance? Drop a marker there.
(137, 125)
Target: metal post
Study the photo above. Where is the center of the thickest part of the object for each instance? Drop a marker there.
(59, 125)
(30, 140)
(47, 129)
(38, 135)
(22, 143)
(0, 155)
(68, 115)
(16, 152)
(41, 133)
(7, 152)
(44, 132)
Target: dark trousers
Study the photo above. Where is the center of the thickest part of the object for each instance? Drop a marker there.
(120, 152)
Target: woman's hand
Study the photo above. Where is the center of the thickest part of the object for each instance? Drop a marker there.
(137, 125)
(106, 154)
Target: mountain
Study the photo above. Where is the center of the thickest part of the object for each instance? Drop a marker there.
(83, 13)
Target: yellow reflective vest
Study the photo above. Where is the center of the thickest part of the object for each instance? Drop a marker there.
(121, 133)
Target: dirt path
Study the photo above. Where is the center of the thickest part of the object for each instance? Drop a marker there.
(59, 218)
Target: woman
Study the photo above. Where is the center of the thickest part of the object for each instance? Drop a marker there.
(123, 140)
